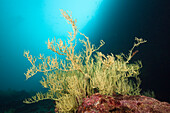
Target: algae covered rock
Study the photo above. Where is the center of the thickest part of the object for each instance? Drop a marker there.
(98, 103)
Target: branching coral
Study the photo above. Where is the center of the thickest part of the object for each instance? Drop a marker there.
(83, 74)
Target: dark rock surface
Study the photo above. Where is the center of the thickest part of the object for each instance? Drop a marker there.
(98, 103)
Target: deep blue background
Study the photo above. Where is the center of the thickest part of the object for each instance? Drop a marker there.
(116, 22)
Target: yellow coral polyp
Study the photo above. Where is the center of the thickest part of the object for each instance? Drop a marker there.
(80, 75)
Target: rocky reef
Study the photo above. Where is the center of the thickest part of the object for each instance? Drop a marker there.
(98, 103)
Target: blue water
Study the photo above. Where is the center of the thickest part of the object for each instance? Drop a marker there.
(26, 25)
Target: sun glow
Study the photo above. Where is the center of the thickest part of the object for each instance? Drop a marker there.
(82, 10)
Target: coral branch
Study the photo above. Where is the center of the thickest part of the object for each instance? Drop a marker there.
(79, 75)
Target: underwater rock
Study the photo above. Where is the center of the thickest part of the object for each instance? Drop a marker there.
(98, 103)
